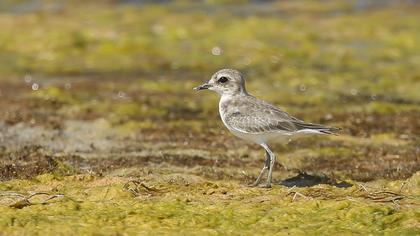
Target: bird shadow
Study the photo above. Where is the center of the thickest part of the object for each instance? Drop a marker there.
(306, 180)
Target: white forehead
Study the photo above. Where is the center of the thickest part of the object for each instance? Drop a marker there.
(227, 73)
(224, 74)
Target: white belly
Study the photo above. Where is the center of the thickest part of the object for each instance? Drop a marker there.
(259, 138)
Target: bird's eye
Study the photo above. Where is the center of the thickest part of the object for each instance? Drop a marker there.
(223, 79)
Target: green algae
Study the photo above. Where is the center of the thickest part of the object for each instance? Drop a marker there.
(355, 69)
(152, 41)
(55, 94)
(291, 54)
(93, 205)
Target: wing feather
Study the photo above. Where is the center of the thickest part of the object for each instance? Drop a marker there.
(251, 115)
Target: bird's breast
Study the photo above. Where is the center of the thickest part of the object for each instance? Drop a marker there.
(227, 108)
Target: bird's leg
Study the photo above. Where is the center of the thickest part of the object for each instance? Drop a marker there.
(270, 168)
(266, 166)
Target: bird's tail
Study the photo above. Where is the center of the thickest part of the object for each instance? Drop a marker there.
(302, 126)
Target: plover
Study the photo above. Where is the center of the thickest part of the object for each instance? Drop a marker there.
(255, 120)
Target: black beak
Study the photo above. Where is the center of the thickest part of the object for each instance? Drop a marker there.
(203, 86)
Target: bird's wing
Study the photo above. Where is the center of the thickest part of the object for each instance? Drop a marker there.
(251, 115)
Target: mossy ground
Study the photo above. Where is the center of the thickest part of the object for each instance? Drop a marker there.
(190, 205)
(98, 118)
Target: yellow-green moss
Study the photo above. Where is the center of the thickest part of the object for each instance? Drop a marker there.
(347, 63)
(93, 205)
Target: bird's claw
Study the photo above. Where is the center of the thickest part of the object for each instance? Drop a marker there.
(266, 186)
(253, 185)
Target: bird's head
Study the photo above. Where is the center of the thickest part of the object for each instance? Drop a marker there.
(225, 82)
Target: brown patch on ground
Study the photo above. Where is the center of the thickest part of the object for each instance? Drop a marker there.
(404, 124)
(30, 161)
(366, 163)
(32, 112)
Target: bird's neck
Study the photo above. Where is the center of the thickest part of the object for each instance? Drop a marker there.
(235, 93)
(228, 96)
(242, 91)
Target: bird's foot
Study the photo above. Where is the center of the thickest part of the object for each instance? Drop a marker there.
(255, 184)
(267, 185)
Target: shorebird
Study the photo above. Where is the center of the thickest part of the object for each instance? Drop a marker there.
(255, 120)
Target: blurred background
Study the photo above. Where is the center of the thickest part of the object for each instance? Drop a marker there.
(105, 85)
(102, 134)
